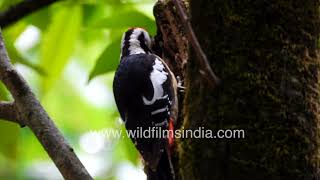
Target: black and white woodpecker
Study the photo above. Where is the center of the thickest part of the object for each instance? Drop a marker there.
(145, 92)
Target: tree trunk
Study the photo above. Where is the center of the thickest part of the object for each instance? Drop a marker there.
(266, 54)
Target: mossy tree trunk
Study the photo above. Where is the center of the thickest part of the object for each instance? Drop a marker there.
(266, 53)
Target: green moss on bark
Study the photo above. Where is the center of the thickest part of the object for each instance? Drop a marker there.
(266, 54)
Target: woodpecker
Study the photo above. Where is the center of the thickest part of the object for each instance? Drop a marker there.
(145, 91)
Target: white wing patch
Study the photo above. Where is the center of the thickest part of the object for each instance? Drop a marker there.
(158, 76)
(160, 110)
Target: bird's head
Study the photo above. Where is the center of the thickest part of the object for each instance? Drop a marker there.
(135, 41)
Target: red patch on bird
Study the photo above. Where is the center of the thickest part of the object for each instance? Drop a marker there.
(171, 135)
(137, 28)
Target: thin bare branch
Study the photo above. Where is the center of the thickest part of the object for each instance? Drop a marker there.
(22, 9)
(208, 72)
(37, 119)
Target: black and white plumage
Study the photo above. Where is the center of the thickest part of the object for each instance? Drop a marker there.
(145, 92)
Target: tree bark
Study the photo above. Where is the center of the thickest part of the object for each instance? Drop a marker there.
(266, 54)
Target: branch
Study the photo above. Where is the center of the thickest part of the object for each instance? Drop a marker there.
(37, 119)
(8, 112)
(207, 72)
(22, 9)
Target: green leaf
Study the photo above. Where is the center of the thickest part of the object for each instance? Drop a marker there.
(8, 131)
(33, 66)
(4, 4)
(59, 42)
(39, 18)
(126, 19)
(4, 94)
(93, 13)
(10, 36)
(108, 60)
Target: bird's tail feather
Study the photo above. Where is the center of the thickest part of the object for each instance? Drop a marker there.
(164, 170)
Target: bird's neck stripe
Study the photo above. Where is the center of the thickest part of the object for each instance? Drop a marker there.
(125, 43)
(142, 39)
(136, 43)
(133, 42)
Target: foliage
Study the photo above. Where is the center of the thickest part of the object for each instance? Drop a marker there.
(61, 50)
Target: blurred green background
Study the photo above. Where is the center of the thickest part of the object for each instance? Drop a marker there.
(68, 53)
